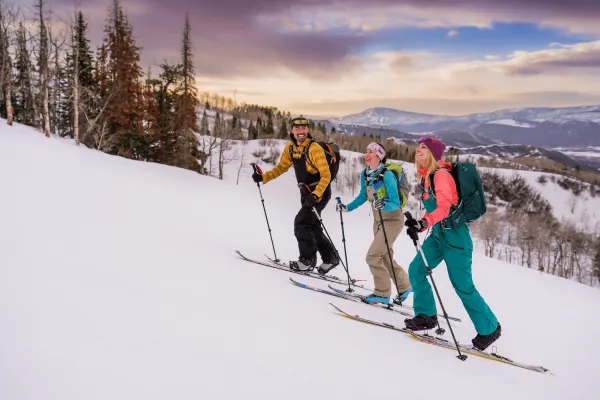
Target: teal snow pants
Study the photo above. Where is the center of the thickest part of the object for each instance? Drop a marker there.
(455, 247)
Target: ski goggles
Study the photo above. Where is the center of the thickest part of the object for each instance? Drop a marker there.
(299, 122)
(426, 138)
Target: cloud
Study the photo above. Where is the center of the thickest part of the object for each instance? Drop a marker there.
(452, 33)
(229, 38)
(402, 63)
(558, 59)
(578, 16)
(449, 106)
(318, 39)
(276, 52)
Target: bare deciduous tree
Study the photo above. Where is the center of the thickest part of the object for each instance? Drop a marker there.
(43, 57)
(8, 16)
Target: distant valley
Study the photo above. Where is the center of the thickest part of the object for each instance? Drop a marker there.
(568, 135)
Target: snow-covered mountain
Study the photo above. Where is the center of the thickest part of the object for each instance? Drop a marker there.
(399, 119)
(538, 126)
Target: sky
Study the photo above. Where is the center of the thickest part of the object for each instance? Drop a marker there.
(334, 57)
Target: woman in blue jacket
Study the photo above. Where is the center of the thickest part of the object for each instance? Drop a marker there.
(381, 190)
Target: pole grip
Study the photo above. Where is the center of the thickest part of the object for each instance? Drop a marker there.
(339, 200)
(256, 168)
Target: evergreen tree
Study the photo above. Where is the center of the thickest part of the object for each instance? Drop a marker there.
(25, 107)
(86, 79)
(162, 105)
(204, 125)
(596, 267)
(187, 152)
(126, 109)
(252, 131)
(270, 129)
(283, 130)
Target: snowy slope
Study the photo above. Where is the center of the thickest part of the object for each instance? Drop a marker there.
(582, 210)
(119, 281)
(510, 122)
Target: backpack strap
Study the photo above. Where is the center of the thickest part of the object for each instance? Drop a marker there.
(304, 153)
(431, 180)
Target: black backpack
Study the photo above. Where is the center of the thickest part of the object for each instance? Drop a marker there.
(332, 154)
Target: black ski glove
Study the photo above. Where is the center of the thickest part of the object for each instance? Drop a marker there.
(416, 226)
(257, 177)
(310, 200)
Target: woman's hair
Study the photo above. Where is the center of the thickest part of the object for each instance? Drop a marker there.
(430, 164)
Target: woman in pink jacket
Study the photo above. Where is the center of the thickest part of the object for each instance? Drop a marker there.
(454, 246)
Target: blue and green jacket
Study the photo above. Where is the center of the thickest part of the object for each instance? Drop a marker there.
(391, 201)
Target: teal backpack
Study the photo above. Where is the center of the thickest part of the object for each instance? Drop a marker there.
(471, 196)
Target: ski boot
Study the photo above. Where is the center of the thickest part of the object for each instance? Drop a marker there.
(482, 342)
(328, 266)
(303, 264)
(421, 323)
(402, 297)
(374, 299)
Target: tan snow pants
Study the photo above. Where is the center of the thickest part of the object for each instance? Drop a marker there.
(378, 258)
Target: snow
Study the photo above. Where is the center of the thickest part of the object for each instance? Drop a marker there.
(389, 116)
(582, 210)
(119, 281)
(511, 122)
(590, 154)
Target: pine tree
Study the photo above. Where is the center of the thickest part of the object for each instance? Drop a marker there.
(596, 266)
(25, 106)
(186, 152)
(83, 87)
(270, 129)
(161, 105)
(283, 129)
(126, 108)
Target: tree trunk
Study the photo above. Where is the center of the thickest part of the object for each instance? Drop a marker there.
(9, 108)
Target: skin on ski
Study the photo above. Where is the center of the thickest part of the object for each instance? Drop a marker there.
(425, 338)
(360, 296)
(283, 267)
(343, 295)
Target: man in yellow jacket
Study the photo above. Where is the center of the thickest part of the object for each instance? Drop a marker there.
(314, 178)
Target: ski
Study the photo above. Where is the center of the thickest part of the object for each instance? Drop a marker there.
(347, 296)
(278, 265)
(352, 281)
(426, 338)
(360, 296)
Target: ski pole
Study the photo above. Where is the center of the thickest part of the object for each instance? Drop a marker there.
(305, 188)
(388, 250)
(339, 201)
(415, 238)
(258, 170)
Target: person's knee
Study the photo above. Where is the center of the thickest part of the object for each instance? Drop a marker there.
(462, 284)
(416, 271)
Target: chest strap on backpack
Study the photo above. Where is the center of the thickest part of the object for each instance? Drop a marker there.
(303, 154)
